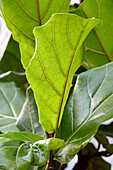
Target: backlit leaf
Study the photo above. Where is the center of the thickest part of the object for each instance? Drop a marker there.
(22, 16)
(58, 55)
(99, 43)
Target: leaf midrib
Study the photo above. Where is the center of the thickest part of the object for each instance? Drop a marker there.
(68, 75)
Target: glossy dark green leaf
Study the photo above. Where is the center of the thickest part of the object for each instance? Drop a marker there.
(13, 63)
(98, 163)
(90, 104)
(28, 119)
(102, 139)
(99, 43)
(37, 153)
(51, 71)
(22, 136)
(24, 156)
(106, 130)
(18, 78)
(13, 48)
(11, 102)
(92, 159)
(21, 17)
(41, 152)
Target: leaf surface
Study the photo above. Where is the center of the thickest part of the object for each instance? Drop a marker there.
(22, 136)
(99, 43)
(106, 130)
(28, 119)
(11, 102)
(90, 104)
(13, 63)
(51, 71)
(8, 149)
(21, 17)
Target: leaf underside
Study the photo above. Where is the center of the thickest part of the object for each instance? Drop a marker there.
(50, 71)
(28, 119)
(22, 16)
(11, 102)
(90, 104)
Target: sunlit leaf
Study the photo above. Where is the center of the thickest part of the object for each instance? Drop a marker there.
(99, 43)
(22, 16)
(51, 71)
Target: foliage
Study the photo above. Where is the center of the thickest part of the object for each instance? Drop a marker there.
(48, 123)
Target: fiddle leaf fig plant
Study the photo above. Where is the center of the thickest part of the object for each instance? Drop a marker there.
(62, 109)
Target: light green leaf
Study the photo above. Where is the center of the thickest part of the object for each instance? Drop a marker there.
(51, 71)
(22, 136)
(56, 143)
(90, 104)
(99, 43)
(21, 17)
(0, 5)
(28, 119)
(11, 102)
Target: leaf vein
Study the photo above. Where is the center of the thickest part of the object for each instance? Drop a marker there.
(26, 11)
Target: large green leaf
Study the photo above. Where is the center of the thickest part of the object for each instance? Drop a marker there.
(90, 104)
(51, 71)
(21, 17)
(11, 102)
(28, 119)
(99, 43)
